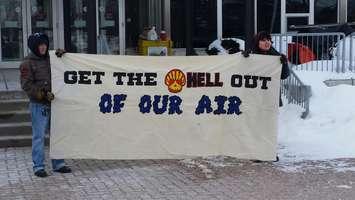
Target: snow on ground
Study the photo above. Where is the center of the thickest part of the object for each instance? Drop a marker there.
(329, 130)
(324, 140)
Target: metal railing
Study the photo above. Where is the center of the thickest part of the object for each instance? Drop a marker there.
(335, 82)
(314, 51)
(352, 52)
(3, 81)
(333, 52)
(345, 50)
(296, 92)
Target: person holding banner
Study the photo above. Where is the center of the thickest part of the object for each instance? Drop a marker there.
(36, 82)
(263, 45)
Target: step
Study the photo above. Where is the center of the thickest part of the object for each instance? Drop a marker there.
(14, 105)
(15, 116)
(18, 141)
(15, 141)
(16, 94)
(13, 129)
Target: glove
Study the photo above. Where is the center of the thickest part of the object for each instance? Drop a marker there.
(40, 95)
(283, 59)
(49, 96)
(43, 95)
(246, 53)
(59, 52)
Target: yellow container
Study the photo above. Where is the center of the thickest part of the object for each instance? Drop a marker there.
(154, 47)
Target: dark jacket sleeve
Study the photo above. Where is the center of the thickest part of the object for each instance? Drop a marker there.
(27, 81)
(285, 71)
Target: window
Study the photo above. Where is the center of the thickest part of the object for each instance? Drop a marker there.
(294, 21)
(178, 23)
(78, 26)
(41, 18)
(204, 22)
(297, 6)
(12, 27)
(351, 10)
(233, 18)
(11, 30)
(269, 14)
(141, 15)
(325, 11)
(108, 21)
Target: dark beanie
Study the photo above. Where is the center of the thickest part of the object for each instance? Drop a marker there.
(35, 40)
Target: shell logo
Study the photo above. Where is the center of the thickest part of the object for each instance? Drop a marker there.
(175, 80)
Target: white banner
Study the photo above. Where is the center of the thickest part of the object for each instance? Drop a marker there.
(131, 107)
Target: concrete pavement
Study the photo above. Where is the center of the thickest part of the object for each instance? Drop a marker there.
(209, 178)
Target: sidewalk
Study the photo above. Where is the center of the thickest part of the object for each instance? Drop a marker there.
(216, 178)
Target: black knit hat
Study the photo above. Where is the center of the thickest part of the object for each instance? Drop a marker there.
(35, 40)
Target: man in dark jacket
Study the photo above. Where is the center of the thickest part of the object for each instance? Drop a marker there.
(36, 82)
(263, 45)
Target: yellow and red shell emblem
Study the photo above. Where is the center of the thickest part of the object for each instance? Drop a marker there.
(175, 80)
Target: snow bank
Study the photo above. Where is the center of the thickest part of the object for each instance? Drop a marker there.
(329, 131)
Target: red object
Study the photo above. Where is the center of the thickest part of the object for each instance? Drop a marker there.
(163, 36)
(299, 53)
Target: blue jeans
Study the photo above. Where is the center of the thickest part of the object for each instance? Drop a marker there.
(40, 115)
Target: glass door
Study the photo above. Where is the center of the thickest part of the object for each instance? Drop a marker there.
(41, 18)
(12, 30)
(108, 40)
(76, 33)
(139, 16)
(19, 19)
(233, 19)
(93, 26)
(205, 22)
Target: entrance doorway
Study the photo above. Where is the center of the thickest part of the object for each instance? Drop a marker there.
(19, 19)
(109, 26)
(93, 26)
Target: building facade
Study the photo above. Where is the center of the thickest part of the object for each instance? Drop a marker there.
(114, 26)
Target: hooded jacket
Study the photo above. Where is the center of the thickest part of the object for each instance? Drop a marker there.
(35, 69)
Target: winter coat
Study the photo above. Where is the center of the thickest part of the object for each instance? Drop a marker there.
(36, 77)
(35, 70)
